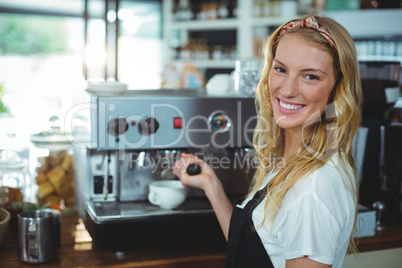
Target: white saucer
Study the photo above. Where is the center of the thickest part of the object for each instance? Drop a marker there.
(106, 88)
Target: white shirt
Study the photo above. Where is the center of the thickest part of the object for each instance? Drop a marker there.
(315, 218)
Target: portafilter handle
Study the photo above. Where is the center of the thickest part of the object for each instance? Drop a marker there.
(193, 169)
(379, 206)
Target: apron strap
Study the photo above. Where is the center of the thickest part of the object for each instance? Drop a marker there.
(238, 222)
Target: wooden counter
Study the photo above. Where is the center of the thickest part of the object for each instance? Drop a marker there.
(76, 251)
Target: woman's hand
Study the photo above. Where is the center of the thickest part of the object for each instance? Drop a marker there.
(201, 181)
(210, 183)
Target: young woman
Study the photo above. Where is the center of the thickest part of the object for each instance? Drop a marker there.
(301, 208)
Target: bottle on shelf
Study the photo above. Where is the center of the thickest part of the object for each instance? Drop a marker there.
(182, 11)
(186, 51)
(223, 11)
(217, 52)
(212, 10)
(275, 8)
(200, 50)
(197, 11)
(227, 52)
(200, 11)
(258, 8)
(233, 53)
(194, 10)
(233, 9)
(266, 8)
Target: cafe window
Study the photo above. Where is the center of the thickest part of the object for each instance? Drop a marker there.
(140, 44)
(40, 65)
(49, 48)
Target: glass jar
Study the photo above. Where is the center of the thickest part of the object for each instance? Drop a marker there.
(3, 196)
(53, 169)
(14, 174)
(247, 77)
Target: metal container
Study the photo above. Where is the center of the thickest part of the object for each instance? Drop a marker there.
(56, 221)
(36, 237)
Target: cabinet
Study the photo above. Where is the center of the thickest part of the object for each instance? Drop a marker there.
(377, 33)
(245, 31)
(239, 29)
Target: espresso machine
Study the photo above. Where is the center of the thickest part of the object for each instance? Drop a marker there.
(126, 141)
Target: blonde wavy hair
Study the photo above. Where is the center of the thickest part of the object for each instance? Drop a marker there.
(331, 132)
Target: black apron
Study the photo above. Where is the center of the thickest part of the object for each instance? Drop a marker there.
(245, 249)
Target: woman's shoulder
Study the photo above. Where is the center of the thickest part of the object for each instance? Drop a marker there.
(331, 185)
(329, 181)
(334, 171)
(335, 168)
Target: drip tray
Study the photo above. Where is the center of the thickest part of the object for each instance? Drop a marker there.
(115, 211)
(126, 225)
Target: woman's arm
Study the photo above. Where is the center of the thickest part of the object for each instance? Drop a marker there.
(305, 262)
(220, 204)
(212, 186)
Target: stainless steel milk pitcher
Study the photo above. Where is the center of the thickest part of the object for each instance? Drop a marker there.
(36, 237)
(57, 223)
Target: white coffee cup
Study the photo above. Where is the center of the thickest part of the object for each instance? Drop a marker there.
(167, 194)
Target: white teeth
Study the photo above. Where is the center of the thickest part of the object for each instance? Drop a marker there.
(290, 107)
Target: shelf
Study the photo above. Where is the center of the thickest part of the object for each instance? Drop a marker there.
(383, 23)
(270, 21)
(369, 23)
(220, 24)
(216, 64)
(225, 24)
(379, 58)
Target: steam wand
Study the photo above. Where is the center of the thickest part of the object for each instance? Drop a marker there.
(105, 181)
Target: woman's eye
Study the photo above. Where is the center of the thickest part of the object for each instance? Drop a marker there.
(279, 69)
(312, 77)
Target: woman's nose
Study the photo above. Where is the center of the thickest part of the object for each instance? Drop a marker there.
(289, 87)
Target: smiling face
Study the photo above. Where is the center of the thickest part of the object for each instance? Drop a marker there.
(300, 81)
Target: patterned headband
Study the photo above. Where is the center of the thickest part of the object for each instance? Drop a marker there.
(311, 23)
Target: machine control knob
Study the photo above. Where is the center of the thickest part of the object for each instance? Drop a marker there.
(117, 126)
(193, 169)
(148, 126)
(220, 121)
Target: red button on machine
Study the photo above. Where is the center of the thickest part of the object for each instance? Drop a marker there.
(177, 122)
